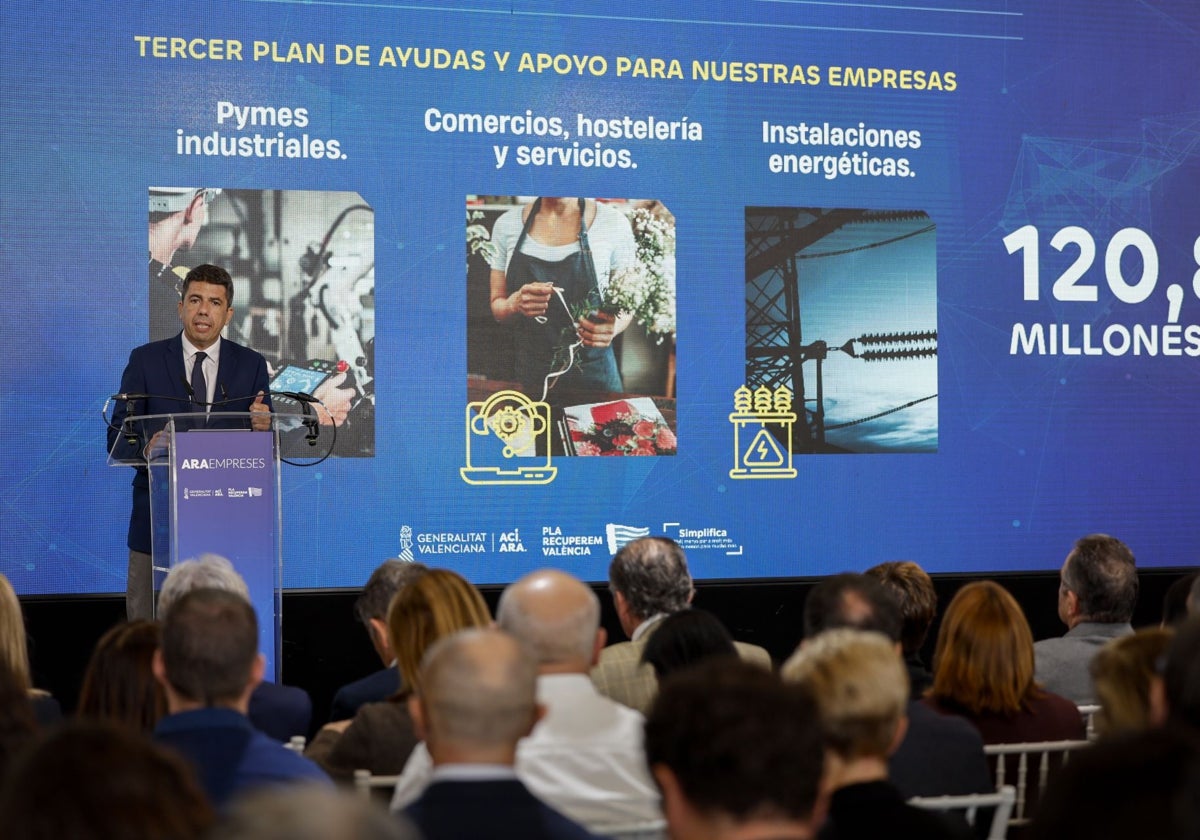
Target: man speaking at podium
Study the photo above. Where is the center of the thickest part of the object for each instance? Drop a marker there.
(195, 371)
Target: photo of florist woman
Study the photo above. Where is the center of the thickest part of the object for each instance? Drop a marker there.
(571, 301)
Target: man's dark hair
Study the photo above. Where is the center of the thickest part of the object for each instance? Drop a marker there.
(854, 601)
(740, 741)
(914, 592)
(209, 645)
(685, 639)
(208, 273)
(1102, 573)
(1181, 674)
(1175, 600)
(383, 585)
(651, 573)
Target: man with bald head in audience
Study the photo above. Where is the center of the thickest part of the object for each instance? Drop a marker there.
(1097, 591)
(585, 757)
(477, 700)
(649, 579)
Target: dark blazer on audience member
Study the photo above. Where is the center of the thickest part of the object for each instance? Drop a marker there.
(941, 755)
(1047, 717)
(497, 809)
(875, 810)
(280, 711)
(370, 689)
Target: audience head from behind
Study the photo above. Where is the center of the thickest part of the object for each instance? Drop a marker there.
(208, 571)
(983, 661)
(1175, 698)
(1178, 600)
(1123, 673)
(685, 639)
(477, 697)
(649, 577)
(209, 655)
(1098, 582)
(308, 812)
(97, 780)
(119, 684)
(556, 617)
(913, 590)
(861, 689)
(13, 651)
(854, 601)
(371, 607)
(733, 750)
(435, 605)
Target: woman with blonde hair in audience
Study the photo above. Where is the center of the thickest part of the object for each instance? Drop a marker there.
(983, 671)
(1122, 673)
(380, 736)
(14, 653)
(119, 683)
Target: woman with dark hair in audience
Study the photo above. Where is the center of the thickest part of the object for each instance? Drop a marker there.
(380, 736)
(684, 639)
(1123, 672)
(983, 671)
(98, 781)
(119, 683)
(14, 653)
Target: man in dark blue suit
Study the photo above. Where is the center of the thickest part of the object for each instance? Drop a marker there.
(371, 609)
(477, 698)
(188, 373)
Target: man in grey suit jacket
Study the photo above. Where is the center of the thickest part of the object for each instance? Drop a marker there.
(1098, 588)
(649, 579)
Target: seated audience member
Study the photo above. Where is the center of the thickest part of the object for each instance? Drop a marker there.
(737, 754)
(940, 755)
(308, 812)
(913, 590)
(1098, 588)
(18, 728)
(585, 757)
(983, 671)
(649, 579)
(1175, 698)
(861, 690)
(1135, 785)
(209, 665)
(685, 639)
(1123, 672)
(89, 779)
(281, 711)
(1177, 601)
(371, 609)
(380, 736)
(119, 683)
(475, 699)
(14, 653)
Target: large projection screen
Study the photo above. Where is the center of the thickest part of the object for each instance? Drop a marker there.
(881, 281)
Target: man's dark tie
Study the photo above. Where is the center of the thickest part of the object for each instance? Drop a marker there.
(199, 386)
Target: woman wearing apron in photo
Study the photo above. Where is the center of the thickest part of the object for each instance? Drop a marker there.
(561, 339)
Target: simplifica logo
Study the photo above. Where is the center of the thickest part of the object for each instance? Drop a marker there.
(223, 464)
(618, 535)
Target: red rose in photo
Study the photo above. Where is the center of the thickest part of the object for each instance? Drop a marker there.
(665, 439)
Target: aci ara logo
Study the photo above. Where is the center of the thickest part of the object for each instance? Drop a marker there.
(511, 541)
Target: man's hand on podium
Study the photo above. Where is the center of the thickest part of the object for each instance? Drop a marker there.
(260, 414)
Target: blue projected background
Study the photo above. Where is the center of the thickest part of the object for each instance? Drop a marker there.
(1023, 180)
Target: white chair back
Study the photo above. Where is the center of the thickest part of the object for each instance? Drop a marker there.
(970, 804)
(1040, 759)
(1088, 712)
(364, 783)
(296, 744)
